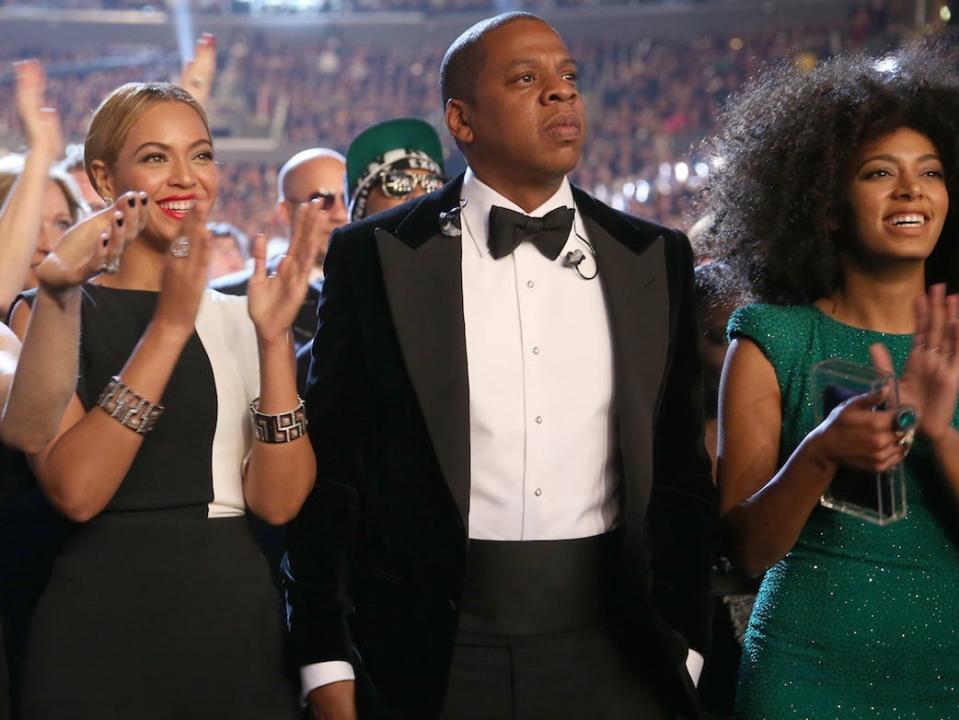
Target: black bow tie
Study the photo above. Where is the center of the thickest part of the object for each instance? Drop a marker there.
(507, 229)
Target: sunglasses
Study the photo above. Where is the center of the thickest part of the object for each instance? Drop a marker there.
(396, 184)
(327, 199)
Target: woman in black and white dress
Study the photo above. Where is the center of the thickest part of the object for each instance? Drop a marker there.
(185, 417)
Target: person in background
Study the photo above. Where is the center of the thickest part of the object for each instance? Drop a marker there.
(387, 164)
(844, 229)
(391, 163)
(311, 175)
(37, 205)
(40, 203)
(230, 250)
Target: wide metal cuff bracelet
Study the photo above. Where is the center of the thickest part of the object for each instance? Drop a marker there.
(128, 408)
(279, 428)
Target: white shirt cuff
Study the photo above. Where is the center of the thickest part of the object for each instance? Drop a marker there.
(324, 673)
(694, 665)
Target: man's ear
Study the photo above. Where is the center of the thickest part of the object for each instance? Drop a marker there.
(103, 180)
(283, 213)
(458, 121)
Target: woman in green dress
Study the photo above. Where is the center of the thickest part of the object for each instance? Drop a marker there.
(832, 204)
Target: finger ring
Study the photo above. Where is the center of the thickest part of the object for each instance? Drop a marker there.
(110, 266)
(906, 439)
(180, 247)
(905, 419)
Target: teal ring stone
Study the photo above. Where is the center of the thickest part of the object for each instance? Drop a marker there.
(905, 419)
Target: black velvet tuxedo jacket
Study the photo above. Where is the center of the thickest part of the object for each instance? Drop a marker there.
(375, 563)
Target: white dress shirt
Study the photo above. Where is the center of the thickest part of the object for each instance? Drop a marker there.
(540, 367)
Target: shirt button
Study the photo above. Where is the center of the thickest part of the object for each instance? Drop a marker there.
(539, 419)
(535, 351)
(537, 492)
(530, 283)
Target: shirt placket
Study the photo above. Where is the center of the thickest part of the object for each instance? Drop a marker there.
(529, 268)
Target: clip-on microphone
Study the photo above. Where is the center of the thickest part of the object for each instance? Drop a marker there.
(450, 223)
(574, 258)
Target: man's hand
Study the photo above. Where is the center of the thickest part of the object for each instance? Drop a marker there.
(336, 701)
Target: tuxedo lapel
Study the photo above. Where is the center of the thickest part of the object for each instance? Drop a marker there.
(633, 275)
(422, 273)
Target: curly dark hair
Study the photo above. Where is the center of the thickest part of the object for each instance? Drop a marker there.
(781, 164)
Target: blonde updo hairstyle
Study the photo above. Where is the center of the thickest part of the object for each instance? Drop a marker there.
(111, 122)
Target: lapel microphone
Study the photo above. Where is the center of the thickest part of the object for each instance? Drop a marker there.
(449, 220)
(574, 258)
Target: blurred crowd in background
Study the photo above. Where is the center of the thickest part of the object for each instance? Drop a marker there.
(650, 102)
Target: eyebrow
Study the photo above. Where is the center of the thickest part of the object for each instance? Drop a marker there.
(164, 146)
(894, 159)
(517, 63)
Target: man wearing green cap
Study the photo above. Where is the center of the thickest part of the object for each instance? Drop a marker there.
(513, 505)
(387, 164)
(390, 163)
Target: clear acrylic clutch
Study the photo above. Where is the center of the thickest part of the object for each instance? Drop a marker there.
(877, 497)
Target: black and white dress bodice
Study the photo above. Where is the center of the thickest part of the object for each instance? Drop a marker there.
(195, 455)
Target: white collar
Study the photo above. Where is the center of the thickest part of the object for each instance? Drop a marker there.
(477, 198)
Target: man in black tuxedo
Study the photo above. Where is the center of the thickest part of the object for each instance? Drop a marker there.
(313, 174)
(513, 510)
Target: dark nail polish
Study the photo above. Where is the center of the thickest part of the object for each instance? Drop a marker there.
(106, 241)
(132, 202)
(119, 222)
(143, 201)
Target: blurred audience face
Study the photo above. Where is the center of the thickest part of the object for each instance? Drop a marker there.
(386, 190)
(55, 221)
(167, 154)
(225, 255)
(318, 178)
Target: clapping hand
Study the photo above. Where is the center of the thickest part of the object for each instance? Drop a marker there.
(184, 276)
(41, 125)
(930, 379)
(197, 75)
(94, 245)
(275, 301)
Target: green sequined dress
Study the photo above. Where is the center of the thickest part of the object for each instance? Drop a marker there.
(857, 621)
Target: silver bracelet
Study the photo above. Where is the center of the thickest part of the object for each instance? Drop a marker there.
(129, 408)
(281, 427)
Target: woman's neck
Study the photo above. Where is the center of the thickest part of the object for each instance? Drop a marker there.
(141, 268)
(877, 300)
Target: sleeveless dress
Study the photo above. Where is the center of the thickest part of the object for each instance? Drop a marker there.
(162, 606)
(857, 621)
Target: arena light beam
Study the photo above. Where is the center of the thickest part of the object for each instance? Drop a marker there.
(183, 26)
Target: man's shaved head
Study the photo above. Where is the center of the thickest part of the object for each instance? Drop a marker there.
(301, 158)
